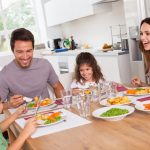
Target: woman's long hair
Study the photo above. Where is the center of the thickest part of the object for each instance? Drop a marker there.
(146, 54)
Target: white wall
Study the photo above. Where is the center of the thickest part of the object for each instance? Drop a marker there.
(95, 29)
(55, 32)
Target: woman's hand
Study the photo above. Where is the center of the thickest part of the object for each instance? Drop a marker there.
(136, 81)
(16, 101)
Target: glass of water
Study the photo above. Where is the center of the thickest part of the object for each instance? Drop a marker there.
(67, 98)
(83, 105)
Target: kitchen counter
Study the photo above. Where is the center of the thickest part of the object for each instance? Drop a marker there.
(117, 59)
(94, 52)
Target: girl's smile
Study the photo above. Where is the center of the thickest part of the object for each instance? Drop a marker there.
(86, 72)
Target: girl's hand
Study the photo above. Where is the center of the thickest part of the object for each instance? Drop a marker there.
(1, 107)
(30, 127)
(20, 110)
(136, 81)
(76, 91)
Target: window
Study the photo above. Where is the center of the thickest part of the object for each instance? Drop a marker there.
(16, 14)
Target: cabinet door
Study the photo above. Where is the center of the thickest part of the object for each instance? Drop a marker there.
(109, 67)
(60, 11)
(71, 63)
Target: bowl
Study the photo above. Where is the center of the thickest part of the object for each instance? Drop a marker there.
(97, 113)
(140, 106)
(107, 49)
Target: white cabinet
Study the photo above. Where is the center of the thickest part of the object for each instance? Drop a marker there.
(109, 67)
(54, 62)
(60, 11)
(115, 66)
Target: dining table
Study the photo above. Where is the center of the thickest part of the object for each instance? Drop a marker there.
(130, 133)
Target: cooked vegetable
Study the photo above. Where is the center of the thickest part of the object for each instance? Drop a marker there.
(44, 102)
(31, 104)
(146, 106)
(49, 118)
(139, 88)
(114, 112)
(139, 91)
(118, 100)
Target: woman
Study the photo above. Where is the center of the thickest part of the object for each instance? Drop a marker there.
(145, 49)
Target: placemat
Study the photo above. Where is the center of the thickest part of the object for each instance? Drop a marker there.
(72, 120)
(57, 105)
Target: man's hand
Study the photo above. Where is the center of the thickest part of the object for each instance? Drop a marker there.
(16, 100)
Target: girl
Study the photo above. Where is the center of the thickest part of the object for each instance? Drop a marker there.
(145, 49)
(87, 73)
(26, 132)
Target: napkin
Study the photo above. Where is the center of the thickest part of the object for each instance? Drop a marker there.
(143, 99)
(59, 102)
(121, 88)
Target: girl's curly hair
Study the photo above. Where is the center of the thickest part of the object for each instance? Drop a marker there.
(88, 59)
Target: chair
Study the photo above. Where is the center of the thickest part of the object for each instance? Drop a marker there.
(65, 79)
(5, 59)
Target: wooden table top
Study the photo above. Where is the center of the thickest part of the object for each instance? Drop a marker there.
(131, 133)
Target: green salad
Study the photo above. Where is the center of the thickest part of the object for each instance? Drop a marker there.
(55, 119)
(140, 88)
(114, 112)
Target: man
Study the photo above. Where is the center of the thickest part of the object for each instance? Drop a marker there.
(25, 75)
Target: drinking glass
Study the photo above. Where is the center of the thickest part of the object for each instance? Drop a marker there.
(112, 89)
(107, 89)
(103, 90)
(83, 105)
(95, 94)
(67, 98)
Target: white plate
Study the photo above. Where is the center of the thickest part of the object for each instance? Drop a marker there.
(51, 124)
(27, 99)
(137, 94)
(105, 103)
(52, 104)
(139, 105)
(99, 111)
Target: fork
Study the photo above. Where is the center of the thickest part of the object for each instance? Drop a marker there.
(38, 106)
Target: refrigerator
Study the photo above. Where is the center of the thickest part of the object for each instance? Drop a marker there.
(135, 11)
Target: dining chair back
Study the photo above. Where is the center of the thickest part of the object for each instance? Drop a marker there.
(65, 79)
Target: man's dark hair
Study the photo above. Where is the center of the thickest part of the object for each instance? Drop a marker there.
(21, 34)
